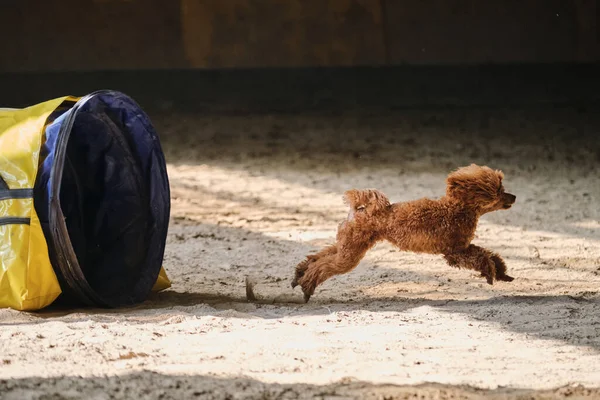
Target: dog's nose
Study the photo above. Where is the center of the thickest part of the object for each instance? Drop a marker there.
(511, 198)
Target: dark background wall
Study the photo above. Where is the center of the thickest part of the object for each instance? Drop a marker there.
(87, 35)
(244, 55)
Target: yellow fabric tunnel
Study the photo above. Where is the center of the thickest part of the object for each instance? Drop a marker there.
(84, 203)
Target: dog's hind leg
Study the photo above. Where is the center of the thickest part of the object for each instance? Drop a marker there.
(476, 258)
(303, 265)
(319, 269)
(340, 258)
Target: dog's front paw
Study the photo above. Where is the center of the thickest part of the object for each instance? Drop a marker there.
(488, 278)
(505, 278)
(501, 269)
(488, 271)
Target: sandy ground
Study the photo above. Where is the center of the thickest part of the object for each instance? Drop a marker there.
(252, 195)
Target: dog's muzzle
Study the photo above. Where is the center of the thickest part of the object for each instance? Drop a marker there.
(508, 200)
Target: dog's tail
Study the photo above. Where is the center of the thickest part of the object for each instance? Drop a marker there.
(369, 200)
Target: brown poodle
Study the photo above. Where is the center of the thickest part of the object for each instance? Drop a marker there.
(445, 226)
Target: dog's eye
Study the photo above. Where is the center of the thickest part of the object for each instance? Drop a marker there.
(360, 208)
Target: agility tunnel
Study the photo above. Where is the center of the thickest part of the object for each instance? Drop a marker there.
(84, 203)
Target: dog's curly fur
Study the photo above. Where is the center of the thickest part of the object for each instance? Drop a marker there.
(444, 226)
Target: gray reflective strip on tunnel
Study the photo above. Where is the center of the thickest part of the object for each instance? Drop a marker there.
(7, 194)
(14, 221)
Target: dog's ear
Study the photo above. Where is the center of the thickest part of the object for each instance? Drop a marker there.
(500, 175)
(368, 200)
(474, 181)
(456, 180)
(351, 198)
(378, 201)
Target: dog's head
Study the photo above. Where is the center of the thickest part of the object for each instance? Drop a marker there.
(479, 187)
(365, 203)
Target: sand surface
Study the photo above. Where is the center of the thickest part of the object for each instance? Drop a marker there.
(252, 195)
